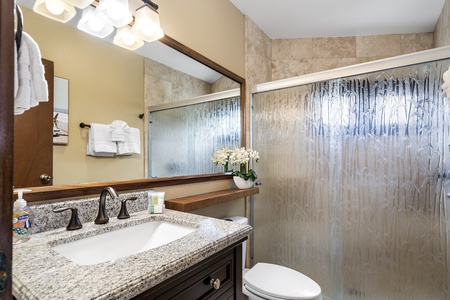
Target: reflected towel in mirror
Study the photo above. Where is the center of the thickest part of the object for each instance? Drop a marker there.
(118, 130)
(100, 142)
(32, 86)
(131, 143)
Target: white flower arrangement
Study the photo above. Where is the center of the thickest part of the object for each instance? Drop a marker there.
(237, 157)
(222, 157)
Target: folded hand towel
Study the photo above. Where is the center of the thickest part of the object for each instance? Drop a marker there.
(118, 130)
(131, 143)
(99, 141)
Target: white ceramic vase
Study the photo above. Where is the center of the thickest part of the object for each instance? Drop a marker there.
(241, 183)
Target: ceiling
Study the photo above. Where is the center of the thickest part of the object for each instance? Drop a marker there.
(284, 19)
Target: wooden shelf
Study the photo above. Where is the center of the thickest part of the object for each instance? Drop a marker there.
(191, 203)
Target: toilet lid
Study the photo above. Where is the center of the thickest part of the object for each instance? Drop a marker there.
(281, 282)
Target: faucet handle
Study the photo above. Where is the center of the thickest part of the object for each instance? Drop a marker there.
(74, 222)
(123, 214)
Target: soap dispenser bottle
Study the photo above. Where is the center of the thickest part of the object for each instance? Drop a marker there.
(23, 219)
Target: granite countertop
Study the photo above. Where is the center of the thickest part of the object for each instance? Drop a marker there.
(41, 273)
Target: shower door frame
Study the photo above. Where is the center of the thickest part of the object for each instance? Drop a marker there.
(368, 67)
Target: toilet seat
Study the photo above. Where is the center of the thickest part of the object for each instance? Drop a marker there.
(275, 282)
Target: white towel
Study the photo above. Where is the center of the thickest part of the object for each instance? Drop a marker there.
(99, 141)
(16, 73)
(37, 70)
(447, 93)
(118, 130)
(32, 86)
(23, 95)
(446, 77)
(131, 144)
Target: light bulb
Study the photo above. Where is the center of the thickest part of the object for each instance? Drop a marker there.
(54, 8)
(128, 39)
(114, 11)
(148, 28)
(95, 24)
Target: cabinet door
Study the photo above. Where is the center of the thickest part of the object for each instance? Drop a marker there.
(33, 140)
(217, 277)
(211, 282)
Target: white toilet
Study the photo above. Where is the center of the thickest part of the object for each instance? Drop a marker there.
(273, 282)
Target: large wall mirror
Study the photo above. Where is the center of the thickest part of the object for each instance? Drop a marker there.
(109, 83)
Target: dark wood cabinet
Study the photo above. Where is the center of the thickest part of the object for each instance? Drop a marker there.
(216, 277)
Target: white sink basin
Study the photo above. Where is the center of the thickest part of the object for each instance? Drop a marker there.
(122, 242)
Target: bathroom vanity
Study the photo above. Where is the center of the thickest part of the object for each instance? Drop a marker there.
(206, 263)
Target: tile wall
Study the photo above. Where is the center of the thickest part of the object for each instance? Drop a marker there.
(442, 30)
(295, 57)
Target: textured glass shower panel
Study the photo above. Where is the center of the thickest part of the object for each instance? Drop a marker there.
(353, 195)
(183, 139)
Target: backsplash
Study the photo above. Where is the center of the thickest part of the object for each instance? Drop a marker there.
(45, 219)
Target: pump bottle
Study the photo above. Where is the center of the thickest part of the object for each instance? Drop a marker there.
(23, 219)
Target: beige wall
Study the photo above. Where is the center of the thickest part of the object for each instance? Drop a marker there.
(442, 29)
(105, 83)
(214, 28)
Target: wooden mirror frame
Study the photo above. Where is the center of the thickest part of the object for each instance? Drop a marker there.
(80, 190)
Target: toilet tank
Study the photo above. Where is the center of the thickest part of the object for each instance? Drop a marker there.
(244, 221)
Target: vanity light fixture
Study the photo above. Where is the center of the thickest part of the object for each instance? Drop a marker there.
(92, 24)
(127, 39)
(114, 12)
(57, 10)
(79, 3)
(146, 22)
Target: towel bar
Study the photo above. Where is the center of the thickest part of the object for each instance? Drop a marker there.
(84, 125)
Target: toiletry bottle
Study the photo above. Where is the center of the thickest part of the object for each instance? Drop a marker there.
(23, 219)
(152, 198)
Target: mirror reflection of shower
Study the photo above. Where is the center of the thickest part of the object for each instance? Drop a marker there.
(185, 135)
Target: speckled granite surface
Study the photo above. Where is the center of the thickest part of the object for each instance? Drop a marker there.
(41, 273)
(45, 219)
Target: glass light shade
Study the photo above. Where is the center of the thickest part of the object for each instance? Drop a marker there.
(79, 3)
(91, 24)
(114, 12)
(146, 24)
(127, 39)
(57, 10)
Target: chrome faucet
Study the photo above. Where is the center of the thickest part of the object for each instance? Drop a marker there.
(102, 217)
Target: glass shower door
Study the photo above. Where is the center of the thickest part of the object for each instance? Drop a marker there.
(354, 191)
